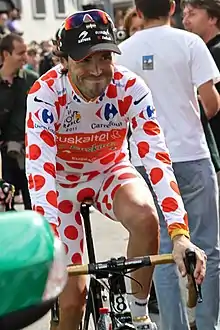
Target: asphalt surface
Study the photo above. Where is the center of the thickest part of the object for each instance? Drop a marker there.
(110, 241)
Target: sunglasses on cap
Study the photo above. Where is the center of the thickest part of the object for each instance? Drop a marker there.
(87, 17)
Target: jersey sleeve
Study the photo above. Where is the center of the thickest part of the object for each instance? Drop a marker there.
(155, 157)
(41, 150)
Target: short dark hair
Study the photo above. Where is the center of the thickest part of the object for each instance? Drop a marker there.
(154, 9)
(211, 6)
(6, 43)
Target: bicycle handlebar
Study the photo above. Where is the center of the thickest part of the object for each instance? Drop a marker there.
(123, 265)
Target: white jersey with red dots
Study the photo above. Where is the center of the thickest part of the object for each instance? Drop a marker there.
(71, 143)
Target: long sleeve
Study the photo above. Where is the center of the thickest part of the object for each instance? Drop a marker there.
(154, 155)
(41, 150)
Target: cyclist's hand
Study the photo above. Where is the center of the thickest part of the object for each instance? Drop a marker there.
(180, 244)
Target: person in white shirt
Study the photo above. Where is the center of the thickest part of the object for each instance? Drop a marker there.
(176, 64)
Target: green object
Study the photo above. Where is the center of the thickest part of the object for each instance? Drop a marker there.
(26, 258)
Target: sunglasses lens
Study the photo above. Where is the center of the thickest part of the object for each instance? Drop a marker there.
(78, 19)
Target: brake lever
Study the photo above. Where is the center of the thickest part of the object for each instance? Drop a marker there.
(190, 263)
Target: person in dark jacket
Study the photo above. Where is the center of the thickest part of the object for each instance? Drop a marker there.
(15, 83)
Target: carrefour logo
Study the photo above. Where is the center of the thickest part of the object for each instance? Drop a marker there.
(47, 116)
(109, 112)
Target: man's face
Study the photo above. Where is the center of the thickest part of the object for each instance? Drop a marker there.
(93, 74)
(3, 19)
(18, 57)
(137, 24)
(197, 20)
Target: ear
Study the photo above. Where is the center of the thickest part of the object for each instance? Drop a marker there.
(5, 54)
(213, 20)
(140, 14)
(172, 8)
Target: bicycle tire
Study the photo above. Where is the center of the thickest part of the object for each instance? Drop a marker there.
(94, 302)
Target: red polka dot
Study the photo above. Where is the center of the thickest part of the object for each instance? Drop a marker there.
(119, 167)
(71, 232)
(54, 229)
(59, 167)
(109, 206)
(143, 149)
(130, 83)
(125, 176)
(66, 185)
(62, 100)
(39, 182)
(151, 128)
(111, 92)
(76, 259)
(75, 165)
(50, 169)
(186, 220)
(169, 204)
(51, 197)
(33, 207)
(92, 175)
(34, 152)
(105, 199)
(30, 182)
(108, 216)
(59, 221)
(163, 157)
(50, 83)
(99, 206)
(49, 75)
(85, 193)
(81, 245)
(108, 159)
(30, 123)
(124, 105)
(120, 157)
(72, 178)
(48, 138)
(156, 174)
(108, 182)
(114, 191)
(25, 140)
(175, 187)
(66, 248)
(134, 123)
(65, 206)
(78, 218)
(39, 209)
(36, 86)
(118, 75)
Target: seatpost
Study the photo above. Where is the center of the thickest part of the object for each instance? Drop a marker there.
(84, 209)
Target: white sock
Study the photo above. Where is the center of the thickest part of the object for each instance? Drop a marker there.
(139, 307)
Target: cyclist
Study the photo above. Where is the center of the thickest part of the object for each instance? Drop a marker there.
(77, 118)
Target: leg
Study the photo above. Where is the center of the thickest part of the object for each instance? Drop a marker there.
(23, 184)
(125, 196)
(166, 280)
(198, 185)
(73, 298)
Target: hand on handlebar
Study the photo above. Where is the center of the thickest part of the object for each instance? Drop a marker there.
(180, 245)
(7, 191)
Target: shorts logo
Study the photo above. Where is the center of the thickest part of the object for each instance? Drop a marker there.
(148, 62)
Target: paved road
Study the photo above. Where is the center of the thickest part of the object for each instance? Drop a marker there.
(110, 240)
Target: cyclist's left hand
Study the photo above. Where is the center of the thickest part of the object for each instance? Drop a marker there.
(180, 244)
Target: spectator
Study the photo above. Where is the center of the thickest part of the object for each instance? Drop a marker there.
(203, 18)
(33, 59)
(132, 23)
(3, 24)
(14, 85)
(13, 21)
(175, 63)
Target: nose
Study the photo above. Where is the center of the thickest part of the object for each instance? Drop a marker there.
(95, 69)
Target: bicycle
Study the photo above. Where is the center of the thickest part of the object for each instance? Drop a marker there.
(109, 276)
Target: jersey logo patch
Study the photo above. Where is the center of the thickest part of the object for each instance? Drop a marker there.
(148, 62)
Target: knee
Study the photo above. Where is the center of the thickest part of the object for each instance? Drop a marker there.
(142, 219)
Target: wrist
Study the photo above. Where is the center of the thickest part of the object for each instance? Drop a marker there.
(179, 233)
